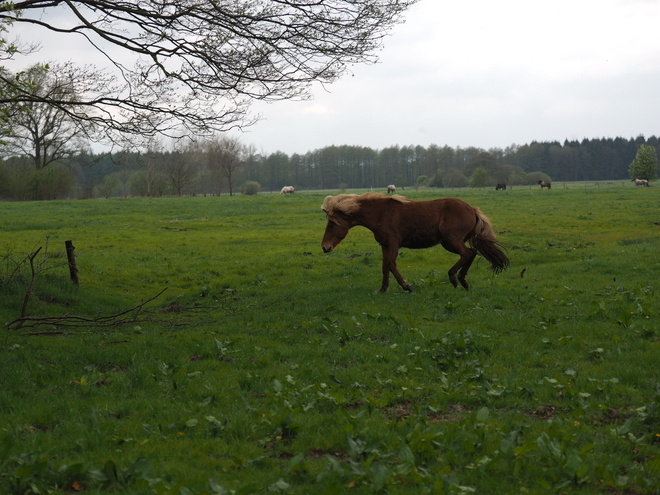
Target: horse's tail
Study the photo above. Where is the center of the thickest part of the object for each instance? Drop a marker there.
(484, 241)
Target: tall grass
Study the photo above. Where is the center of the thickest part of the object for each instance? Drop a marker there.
(267, 366)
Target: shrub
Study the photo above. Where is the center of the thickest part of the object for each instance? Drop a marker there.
(147, 183)
(518, 177)
(454, 178)
(108, 186)
(436, 180)
(251, 188)
(535, 177)
(22, 182)
(480, 178)
(422, 181)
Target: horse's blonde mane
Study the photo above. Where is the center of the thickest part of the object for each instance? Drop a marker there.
(350, 203)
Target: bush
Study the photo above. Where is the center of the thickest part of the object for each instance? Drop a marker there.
(517, 177)
(535, 177)
(436, 180)
(251, 188)
(422, 181)
(147, 183)
(108, 186)
(21, 182)
(480, 178)
(4, 183)
(454, 178)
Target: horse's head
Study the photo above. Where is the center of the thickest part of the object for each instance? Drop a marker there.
(338, 210)
(335, 231)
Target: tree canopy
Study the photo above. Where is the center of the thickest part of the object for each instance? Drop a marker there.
(645, 164)
(194, 66)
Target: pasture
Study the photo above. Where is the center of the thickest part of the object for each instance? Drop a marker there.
(268, 366)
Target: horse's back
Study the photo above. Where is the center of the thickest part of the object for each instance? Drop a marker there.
(423, 224)
(434, 209)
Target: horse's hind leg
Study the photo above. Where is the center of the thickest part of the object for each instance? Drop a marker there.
(464, 269)
(458, 272)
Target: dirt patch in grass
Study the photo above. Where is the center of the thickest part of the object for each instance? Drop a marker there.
(545, 411)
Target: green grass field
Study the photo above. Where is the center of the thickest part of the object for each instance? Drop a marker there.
(267, 366)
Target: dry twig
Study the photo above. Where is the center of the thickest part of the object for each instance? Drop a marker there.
(116, 319)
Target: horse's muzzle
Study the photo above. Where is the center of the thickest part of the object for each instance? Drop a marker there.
(327, 249)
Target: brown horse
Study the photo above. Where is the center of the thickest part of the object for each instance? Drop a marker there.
(545, 184)
(499, 186)
(397, 222)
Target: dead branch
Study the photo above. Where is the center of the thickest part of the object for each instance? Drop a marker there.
(28, 292)
(116, 319)
(52, 332)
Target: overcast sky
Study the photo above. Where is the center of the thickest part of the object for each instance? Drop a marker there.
(488, 74)
(485, 74)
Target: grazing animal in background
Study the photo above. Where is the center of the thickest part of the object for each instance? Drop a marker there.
(391, 189)
(545, 184)
(640, 182)
(499, 186)
(397, 222)
(287, 190)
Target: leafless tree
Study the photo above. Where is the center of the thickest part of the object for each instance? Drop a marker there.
(154, 178)
(43, 132)
(181, 167)
(194, 66)
(225, 156)
(108, 185)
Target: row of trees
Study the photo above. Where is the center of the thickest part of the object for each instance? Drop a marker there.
(173, 70)
(210, 167)
(589, 159)
(190, 69)
(43, 136)
(223, 165)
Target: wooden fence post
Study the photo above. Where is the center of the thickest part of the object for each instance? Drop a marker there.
(73, 270)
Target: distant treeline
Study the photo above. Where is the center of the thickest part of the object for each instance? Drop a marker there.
(354, 166)
(334, 167)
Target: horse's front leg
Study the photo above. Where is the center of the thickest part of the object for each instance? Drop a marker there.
(389, 265)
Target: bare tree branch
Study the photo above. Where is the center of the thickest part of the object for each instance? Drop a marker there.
(127, 316)
(198, 64)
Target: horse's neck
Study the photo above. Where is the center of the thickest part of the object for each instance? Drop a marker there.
(369, 213)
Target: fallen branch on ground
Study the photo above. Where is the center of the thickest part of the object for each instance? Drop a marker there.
(116, 319)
